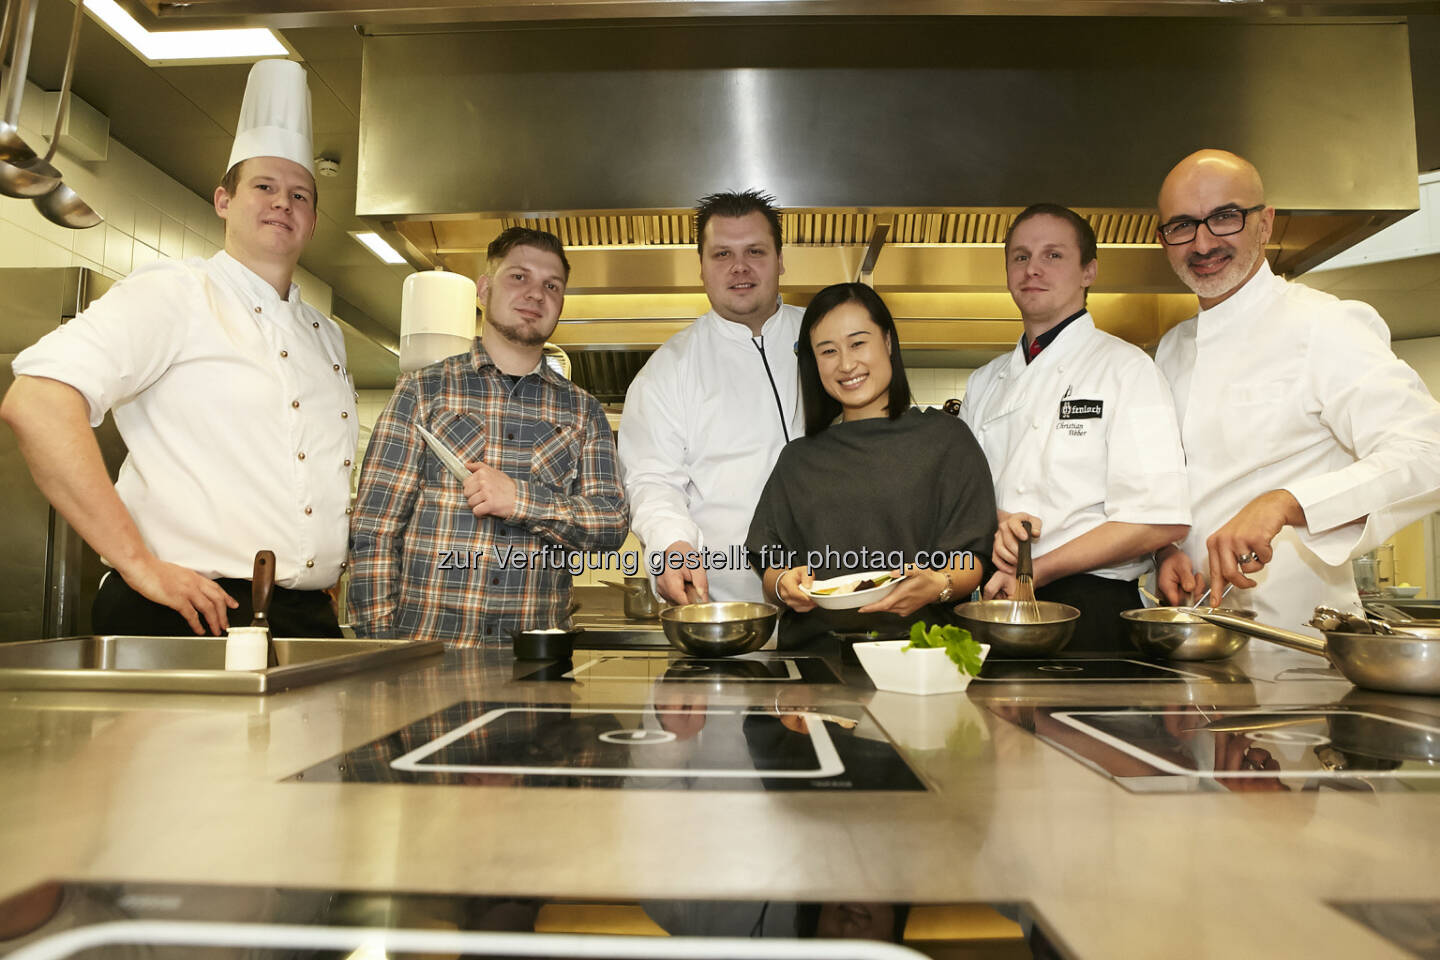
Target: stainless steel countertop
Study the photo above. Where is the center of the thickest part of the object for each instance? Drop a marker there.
(169, 787)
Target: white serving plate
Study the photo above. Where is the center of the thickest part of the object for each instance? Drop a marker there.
(923, 671)
(849, 601)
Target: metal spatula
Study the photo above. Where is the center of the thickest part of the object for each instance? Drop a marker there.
(261, 587)
(1025, 608)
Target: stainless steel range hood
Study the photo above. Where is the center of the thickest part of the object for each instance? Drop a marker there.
(904, 145)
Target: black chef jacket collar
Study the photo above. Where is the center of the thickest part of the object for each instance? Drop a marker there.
(1043, 341)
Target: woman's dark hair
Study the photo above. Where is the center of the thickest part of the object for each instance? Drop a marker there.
(821, 409)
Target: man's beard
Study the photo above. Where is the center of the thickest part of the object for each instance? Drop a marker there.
(1219, 284)
(518, 334)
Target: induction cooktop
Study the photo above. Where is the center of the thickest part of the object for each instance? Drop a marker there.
(1187, 748)
(676, 667)
(1083, 669)
(684, 743)
(85, 920)
(1412, 925)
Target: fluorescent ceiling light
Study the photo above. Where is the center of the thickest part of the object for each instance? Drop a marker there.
(379, 247)
(186, 46)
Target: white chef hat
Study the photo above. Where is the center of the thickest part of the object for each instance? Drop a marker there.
(275, 115)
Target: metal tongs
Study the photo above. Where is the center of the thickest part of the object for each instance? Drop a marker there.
(1327, 619)
(1206, 593)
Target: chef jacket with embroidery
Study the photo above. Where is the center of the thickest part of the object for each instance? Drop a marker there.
(237, 411)
(703, 425)
(1083, 435)
(1281, 386)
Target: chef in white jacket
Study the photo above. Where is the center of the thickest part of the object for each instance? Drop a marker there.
(1080, 433)
(1308, 441)
(707, 415)
(233, 399)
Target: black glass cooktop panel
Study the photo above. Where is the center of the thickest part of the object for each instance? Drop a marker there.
(1098, 669)
(153, 920)
(670, 745)
(675, 667)
(1189, 747)
(1412, 925)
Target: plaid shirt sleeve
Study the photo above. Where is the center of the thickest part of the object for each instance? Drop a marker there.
(590, 514)
(389, 485)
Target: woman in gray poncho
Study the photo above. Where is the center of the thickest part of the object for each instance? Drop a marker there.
(874, 483)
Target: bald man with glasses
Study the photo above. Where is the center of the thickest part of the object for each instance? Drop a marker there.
(1307, 441)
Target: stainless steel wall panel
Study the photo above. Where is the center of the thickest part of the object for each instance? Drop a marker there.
(913, 113)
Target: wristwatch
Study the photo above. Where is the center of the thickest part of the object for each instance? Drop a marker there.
(949, 592)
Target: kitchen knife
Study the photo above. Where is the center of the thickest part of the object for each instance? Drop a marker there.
(451, 462)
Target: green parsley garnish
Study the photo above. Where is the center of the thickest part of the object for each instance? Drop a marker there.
(959, 646)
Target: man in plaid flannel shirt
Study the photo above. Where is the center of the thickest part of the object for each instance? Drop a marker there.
(432, 558)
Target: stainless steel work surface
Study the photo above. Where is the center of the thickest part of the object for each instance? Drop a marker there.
(167, 788)
(190, 664)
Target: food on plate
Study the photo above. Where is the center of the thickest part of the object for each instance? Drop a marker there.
(855, 587)
(957, 643)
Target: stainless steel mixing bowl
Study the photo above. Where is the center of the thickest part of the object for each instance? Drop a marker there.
(721, 629)
(989, 621)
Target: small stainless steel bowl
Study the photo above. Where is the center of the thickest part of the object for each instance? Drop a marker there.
(721, 629)
(1177, 634)
(989, 622)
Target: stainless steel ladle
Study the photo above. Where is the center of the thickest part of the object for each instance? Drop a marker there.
(22, 12)
(62, 206)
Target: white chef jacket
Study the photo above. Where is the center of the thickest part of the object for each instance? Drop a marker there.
(1281, 386)
(237, 411)
(1082, 435)
(704, 422)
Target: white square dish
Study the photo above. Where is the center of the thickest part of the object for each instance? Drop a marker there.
(921, 671)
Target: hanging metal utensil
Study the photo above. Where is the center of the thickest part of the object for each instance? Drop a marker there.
(62, 206)
(7, 24)
(19, 14)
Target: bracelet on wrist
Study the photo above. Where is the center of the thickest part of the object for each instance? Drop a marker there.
(948, 591)
(778, 580)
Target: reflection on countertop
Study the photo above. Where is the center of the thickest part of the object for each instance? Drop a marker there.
(186, 788)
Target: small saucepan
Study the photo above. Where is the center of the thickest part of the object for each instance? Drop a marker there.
(1180, 633)
(640, 602)
(1407, 660)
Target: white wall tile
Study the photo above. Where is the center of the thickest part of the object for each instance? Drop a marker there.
(195, 245)
(147, 224)
(143, 256)
(27, 217)
(118, 249)
(121, 212)
(172, 237)
(89, 244)
(13, 244)
(214, 228)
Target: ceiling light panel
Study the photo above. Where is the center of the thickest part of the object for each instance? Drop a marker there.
(187, 46)
(376, 245)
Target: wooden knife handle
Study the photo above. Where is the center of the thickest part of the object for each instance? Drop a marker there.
(262, 585)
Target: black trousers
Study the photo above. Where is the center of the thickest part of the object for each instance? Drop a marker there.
(121, 611)
(1100, 601)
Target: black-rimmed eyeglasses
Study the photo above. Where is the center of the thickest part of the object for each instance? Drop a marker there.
(1221, 223)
